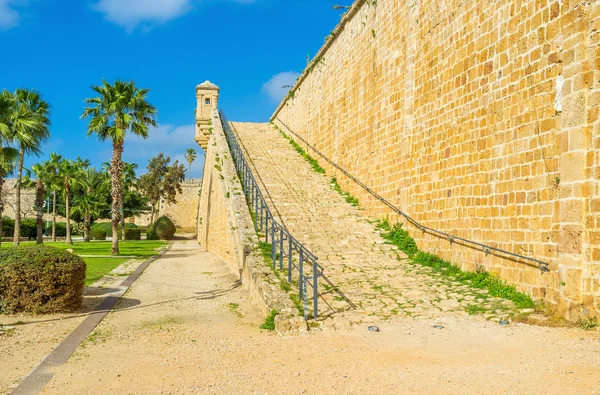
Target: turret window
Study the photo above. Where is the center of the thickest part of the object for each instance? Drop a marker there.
(207, 101)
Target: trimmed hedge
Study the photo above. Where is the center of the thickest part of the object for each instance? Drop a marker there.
(97, 234)
(162, 229)
(29, 229)
(133, 234)
(40, 279)
(107, 228)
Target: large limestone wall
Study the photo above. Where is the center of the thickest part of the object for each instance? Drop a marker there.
(478, 118)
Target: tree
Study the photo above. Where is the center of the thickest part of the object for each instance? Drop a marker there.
(129, 180)
(161, 181)
(190, 156)
(92, 186)
(27, 103)
(120, 108)
(8, 158)
(68, 171)
(56, 184)
(7, 154)
(44, 176)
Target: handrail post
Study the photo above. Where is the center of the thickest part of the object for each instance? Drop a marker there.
(273, 245)
(280, 248)
(315, 288)
(301, 272)
(290, 256)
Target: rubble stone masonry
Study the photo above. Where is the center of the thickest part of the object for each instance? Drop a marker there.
(478, 118)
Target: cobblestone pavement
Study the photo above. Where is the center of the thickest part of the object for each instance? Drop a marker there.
(379, 281)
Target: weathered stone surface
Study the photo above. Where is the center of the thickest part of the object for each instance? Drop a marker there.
(480, 119)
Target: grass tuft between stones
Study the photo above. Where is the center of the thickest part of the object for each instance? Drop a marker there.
(479, 279)
(269, 323)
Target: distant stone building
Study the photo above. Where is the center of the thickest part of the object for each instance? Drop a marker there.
(183, 213)
(9, 196)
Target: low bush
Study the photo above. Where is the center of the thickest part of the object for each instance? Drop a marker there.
(107, 228)
(133, 234)
(162, 229)
(40, 279)
(97, 234)
(28, 227)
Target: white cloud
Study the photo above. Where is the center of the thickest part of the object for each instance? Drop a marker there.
(9, 17)
(169, 139)
(274, 87)
(132, 13)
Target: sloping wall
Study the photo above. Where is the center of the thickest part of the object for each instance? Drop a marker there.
(225, 228)
(478, 118)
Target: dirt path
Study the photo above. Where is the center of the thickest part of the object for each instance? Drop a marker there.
(194, 331)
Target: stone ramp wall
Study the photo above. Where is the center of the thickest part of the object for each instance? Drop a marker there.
(225, 228)
(477, 118)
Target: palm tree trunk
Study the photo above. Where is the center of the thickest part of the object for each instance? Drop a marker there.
(116, 173)
(68, 213)
(1, 202)
(86, 226)
(53, 216)
(18, 197)
(39, 205)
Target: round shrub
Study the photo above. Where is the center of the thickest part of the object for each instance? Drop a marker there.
(133, 234)
(162, 229)
(8, 227)
(97, 234)
(40, 279)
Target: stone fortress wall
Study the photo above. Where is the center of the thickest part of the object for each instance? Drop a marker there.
(184, 213)
(478, 118)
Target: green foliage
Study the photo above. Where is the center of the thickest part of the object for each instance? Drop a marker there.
(133, 234)
(162, 229)
(313, 162)
(106, 227)
(347, 196)
(588, 323)
(162, 180)
(480, 279)
(269, 323)
(40, 279)
(97, 234)
(398, 237)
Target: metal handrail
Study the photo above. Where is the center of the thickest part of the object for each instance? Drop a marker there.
(283, 244)
(543, 266)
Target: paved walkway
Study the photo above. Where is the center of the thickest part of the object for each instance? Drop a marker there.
(353, 253)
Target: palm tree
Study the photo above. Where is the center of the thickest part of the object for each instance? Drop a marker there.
(8, 158)
(43, 175)
(120, 108)
(28, 138)
(129, 180)
(190, 156)
(7, 155)
(53, 166)
(91, 183)
(68, 171)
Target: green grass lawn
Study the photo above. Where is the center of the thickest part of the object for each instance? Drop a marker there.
(137, 248)
(99, 267)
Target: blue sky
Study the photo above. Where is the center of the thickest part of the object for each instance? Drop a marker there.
(247, 47)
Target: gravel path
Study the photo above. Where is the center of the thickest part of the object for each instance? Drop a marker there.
(186, 326)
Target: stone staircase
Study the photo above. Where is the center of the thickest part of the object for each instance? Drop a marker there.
(366, 280)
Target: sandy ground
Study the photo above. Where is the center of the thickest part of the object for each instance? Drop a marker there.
(194, 331)
(23, 346)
